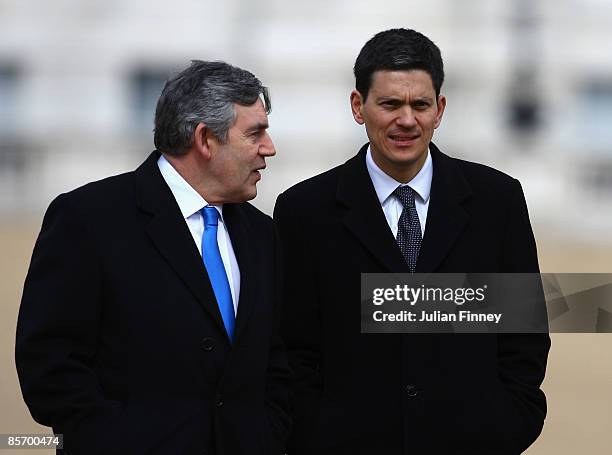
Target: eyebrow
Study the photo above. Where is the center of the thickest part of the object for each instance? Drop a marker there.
(258, 127)
(400, 99)
(424, 98)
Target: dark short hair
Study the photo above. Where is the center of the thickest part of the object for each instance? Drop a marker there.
(205, 92)
(398, 49)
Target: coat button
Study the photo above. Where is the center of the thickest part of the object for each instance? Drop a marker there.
(412, 390)
(207, 344)
(219, 401)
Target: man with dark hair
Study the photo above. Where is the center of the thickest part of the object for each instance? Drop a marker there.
(148, 322)
(401, 205)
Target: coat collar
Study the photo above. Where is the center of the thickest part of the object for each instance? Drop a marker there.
(364, 216)
(171, 237)
(238, 228)
(446, 217)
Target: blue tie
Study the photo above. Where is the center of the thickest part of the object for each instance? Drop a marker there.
(216, 270)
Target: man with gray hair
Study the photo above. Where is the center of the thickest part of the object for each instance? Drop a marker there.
(148, 322)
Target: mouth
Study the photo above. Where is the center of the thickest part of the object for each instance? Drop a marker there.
(256, 172)
(403, 139)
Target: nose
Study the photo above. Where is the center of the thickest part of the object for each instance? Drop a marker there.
(406, 118)
(267, 146)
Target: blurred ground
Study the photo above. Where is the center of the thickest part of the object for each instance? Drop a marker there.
(578, 382)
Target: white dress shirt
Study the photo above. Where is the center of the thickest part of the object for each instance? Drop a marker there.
(190, 204)
(391, 205)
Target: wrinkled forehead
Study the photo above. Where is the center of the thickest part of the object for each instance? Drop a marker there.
(389, 82)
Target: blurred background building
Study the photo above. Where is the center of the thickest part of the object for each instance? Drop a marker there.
(529, 85)
(529, 88)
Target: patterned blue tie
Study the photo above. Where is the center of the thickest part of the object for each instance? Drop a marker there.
(216, 270)
(408, 227)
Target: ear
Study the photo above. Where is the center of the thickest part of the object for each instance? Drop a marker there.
(441, 107)
(203, 141)
(357, 106)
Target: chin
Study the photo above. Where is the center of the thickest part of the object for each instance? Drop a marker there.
(251, 194)
(241, 196)
(409, 154)
(406, 157)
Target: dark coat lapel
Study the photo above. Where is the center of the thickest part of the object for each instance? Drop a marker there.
(446, 217)
(171, 236)
(237, 226)
(364, 216)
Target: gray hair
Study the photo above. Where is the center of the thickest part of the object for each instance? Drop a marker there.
(205, 92)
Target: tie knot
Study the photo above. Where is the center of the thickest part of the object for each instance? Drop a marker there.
(405, 194)
(210, 215)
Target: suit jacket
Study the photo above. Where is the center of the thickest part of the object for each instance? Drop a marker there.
(405, 393)
(120, 343)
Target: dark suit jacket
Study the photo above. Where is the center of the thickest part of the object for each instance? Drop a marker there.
(402, 394)
(120, 343)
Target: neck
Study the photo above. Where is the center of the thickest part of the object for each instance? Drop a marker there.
(402, 173)
(194, 172)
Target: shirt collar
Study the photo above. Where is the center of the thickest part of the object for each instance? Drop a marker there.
(384, 184)
(188, 199)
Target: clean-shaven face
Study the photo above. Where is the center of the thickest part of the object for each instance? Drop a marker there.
(400, 114)
(236, 163)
